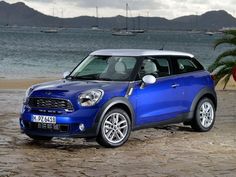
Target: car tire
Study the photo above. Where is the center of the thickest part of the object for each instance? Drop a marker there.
(115, 129)
(40, 138)
(204, 118)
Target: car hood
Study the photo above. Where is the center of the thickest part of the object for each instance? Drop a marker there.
(68, 88)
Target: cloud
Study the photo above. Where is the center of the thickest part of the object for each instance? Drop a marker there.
(120, 4)
(113, 4)
(163, 8)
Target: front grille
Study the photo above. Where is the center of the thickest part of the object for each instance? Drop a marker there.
(50, 103)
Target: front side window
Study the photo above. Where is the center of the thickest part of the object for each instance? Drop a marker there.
(158, 67)
(105, 68)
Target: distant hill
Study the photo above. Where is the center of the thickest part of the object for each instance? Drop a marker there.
(209, 20)
(18, 14)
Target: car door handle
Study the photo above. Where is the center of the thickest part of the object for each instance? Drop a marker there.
(175, 85)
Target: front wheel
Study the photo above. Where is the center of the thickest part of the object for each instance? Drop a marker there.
(115, 129)
(204, 116)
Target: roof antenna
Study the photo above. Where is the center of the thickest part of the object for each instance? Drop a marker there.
(163, 46)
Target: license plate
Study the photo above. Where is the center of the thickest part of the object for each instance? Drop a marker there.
(44, 119)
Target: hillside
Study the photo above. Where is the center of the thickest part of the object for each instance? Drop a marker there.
(18, 14)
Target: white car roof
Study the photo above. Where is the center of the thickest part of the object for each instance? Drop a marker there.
(139, 52)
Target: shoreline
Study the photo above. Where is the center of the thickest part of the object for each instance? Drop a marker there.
(15, 84)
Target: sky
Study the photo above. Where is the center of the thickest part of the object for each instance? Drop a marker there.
(163, 8)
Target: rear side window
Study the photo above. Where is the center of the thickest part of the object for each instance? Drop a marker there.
(186, 65)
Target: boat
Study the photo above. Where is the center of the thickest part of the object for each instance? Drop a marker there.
(209, 33)
(125, 32)
(49, 31)
(226, 29)
(194, 31)
(137, 31)
(96, 27)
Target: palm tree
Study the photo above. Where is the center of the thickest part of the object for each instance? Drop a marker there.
(225, 68)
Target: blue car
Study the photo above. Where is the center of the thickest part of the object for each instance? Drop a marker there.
(112, 92)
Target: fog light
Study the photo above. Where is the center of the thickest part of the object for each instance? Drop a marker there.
(81, 127)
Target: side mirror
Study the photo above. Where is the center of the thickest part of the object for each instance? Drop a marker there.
(65, 74)
(148, 80)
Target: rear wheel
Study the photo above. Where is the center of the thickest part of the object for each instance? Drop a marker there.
(40, 138)
(115, 129)
(204, 116)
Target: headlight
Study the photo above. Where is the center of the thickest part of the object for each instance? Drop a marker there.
(90, 97)
(27, 93)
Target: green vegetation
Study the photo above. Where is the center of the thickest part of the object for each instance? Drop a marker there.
(225, 63)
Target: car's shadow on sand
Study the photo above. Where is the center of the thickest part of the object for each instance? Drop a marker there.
(79, 144)
(62, 145)
(176, 128)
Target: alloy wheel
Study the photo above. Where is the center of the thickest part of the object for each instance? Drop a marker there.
(115, 128)
(206, 114)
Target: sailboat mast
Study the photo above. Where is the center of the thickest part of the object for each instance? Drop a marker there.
(97, 16)
(139, 22)
(126, 22)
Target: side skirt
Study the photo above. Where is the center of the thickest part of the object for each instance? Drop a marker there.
(179, 119)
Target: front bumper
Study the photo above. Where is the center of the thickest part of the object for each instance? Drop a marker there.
(67, 124)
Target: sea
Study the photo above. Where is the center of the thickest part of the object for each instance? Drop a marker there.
(26, 52)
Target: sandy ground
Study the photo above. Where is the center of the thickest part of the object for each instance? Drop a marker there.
(173, 150)
(13, 84)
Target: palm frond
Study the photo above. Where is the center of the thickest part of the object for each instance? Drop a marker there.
(226, 54)
(229, 38)
(229, 63)
(222, 64)
(225, 40)
(221, 74)
(226, 80)
(230, 32)
(223, 68)
(214, 66)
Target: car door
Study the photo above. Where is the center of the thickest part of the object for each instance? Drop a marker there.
(188, 75)
(159, 101)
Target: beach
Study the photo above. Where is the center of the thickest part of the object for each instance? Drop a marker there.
(173, 150)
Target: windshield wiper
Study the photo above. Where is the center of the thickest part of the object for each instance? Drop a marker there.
(88, 78)
(82, 78)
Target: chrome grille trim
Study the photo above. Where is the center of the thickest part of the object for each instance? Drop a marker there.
(50, 103)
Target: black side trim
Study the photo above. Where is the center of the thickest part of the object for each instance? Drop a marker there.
(108, 105)
(179, 119)
(205, 91)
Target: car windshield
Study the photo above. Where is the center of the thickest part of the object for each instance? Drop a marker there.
(108, 68)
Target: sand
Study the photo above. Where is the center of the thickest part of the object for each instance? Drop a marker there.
(173, 150)
(230, 86)
(21, 83)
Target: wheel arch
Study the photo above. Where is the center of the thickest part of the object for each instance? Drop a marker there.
(204, 93)
(117, 102)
